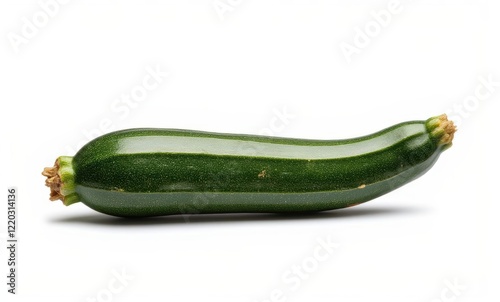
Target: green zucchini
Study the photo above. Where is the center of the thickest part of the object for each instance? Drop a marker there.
(152, 172)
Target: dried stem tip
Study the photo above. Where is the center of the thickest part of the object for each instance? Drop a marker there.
(61, 180)
(442, 129)
(53, 181)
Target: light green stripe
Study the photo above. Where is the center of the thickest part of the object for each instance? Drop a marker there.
(235, 147)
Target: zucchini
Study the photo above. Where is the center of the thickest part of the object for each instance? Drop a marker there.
(152, 172)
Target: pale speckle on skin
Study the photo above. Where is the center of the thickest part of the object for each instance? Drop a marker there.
(262, 174)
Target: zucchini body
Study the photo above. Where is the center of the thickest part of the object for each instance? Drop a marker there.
(152, 172)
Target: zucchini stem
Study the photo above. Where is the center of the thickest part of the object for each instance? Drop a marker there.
(61, 181)
(442, 129)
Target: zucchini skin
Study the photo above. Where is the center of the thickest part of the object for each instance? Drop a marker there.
(153, 172)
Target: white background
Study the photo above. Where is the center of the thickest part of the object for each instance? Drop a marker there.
(263, 67)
